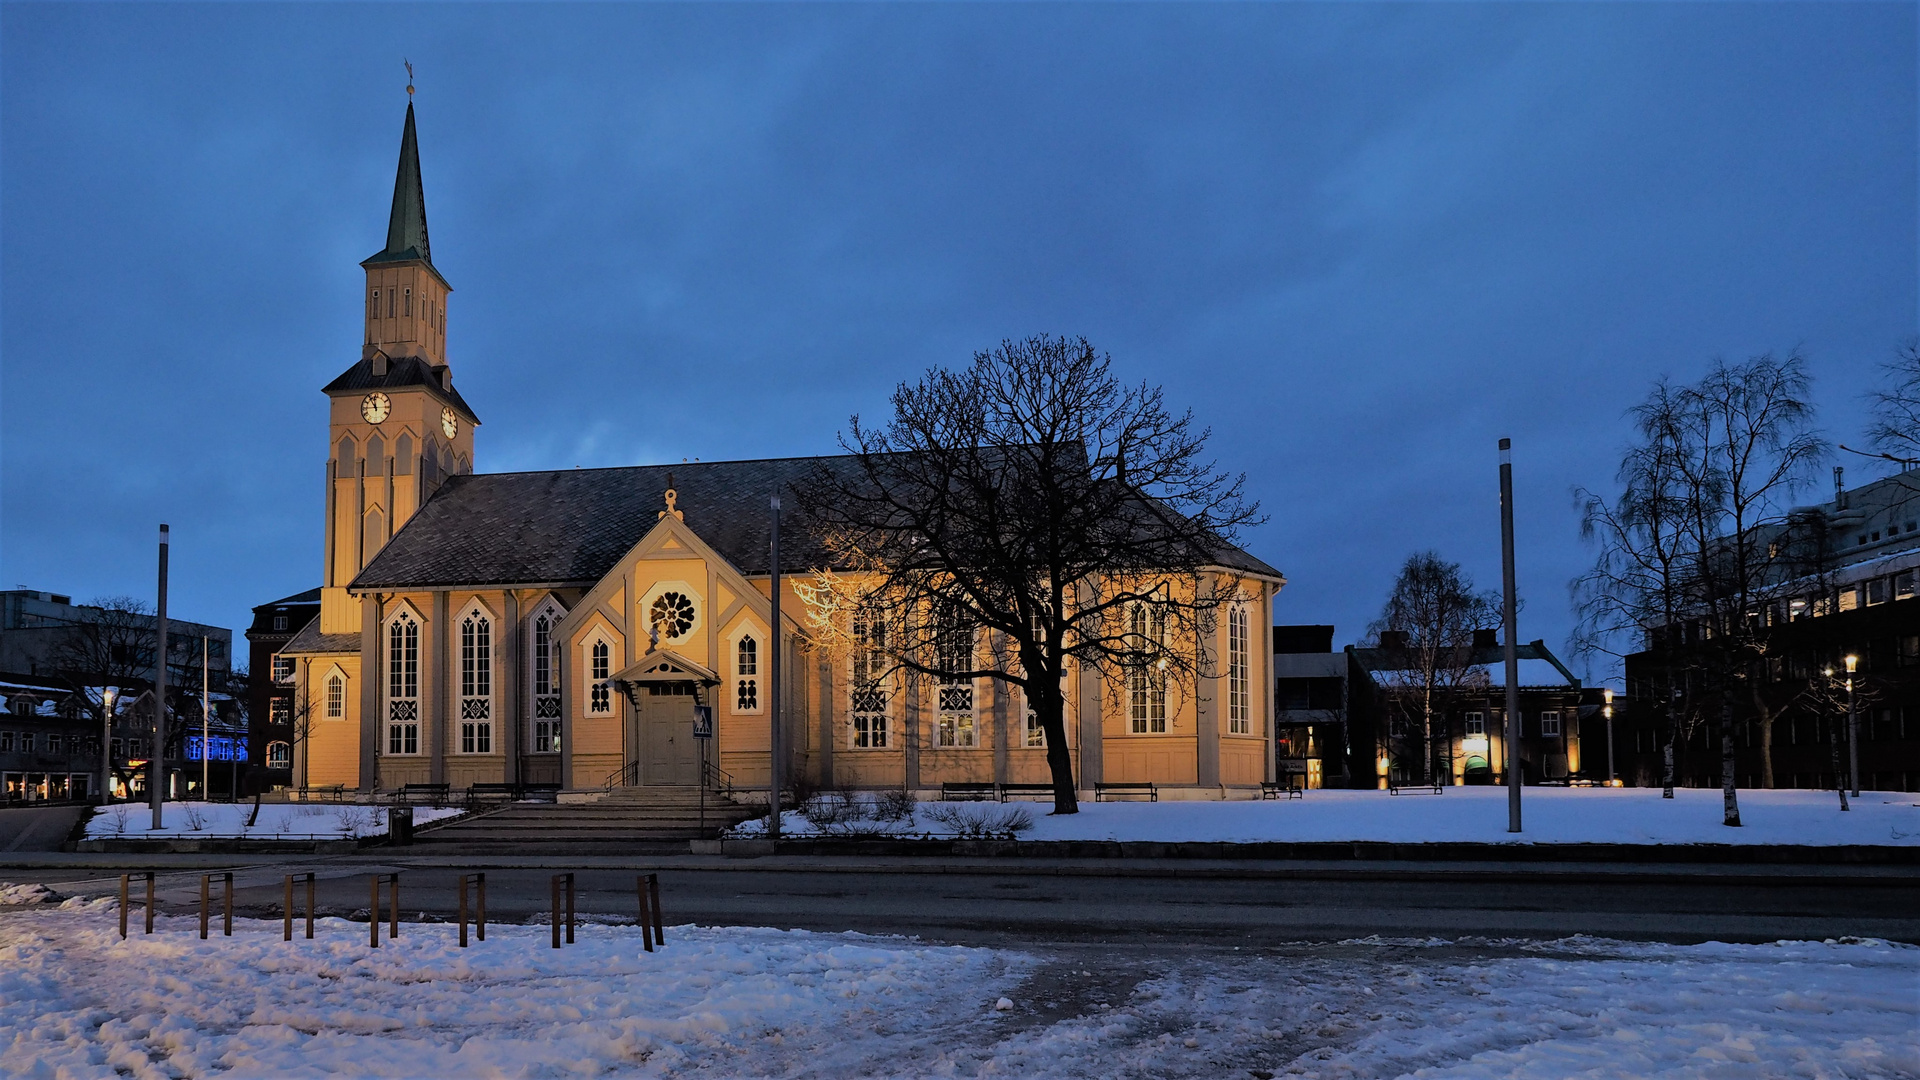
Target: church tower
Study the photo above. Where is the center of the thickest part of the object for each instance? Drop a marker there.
(397, 426)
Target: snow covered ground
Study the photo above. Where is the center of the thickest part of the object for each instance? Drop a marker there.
(1550, 816)
(76, 1001)
(133, 821)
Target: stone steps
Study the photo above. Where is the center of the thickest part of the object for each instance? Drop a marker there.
(637, 820)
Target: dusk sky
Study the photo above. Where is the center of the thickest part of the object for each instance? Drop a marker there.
(1362, 243)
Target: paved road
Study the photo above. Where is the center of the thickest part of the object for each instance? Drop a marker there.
(1135, 901)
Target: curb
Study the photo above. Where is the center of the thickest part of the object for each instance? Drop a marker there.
(1364, 851)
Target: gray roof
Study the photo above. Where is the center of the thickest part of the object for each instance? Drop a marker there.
(571, 526)
(401, 371)
(311, 640)
(407, 223)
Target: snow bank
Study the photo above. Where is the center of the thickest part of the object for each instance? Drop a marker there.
(293, 821)
(1473, 814)
(76, 1001)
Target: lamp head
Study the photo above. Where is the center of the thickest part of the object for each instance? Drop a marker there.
(1852, 661)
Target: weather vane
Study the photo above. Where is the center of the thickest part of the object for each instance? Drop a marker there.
(409, 64)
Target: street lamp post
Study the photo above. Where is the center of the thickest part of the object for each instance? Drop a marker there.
(156, 761)
(1853, 732)
(1833, 739)
(107, 696)
(1607, 710)
(1510, 731)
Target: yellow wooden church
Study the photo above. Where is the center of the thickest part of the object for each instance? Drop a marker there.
(561, 627)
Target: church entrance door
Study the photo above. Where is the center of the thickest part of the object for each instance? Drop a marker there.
(668, 752)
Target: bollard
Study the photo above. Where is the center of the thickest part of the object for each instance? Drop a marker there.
(226, 885)
(646, 911)
(373, 907)
(558, 881)
(479, 882)
(286, 933)
(124, 879)
(659, 931)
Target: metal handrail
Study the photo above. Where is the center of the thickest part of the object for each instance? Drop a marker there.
(625, 776)
(717, 778)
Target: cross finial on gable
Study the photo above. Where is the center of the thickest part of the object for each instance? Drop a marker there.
(672, 496)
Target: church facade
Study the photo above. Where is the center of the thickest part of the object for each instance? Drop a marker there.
(572, 627)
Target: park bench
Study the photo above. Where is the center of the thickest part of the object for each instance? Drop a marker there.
(1025, 791)
(485, 793)
(1283, 789)
(326, 792)
(424, 794)
(966, 792)
(1103, 792)
(1435, 788)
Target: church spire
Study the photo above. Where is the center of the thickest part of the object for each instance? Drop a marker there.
(407, 225)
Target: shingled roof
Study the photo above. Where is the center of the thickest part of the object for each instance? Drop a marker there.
(401, 371)
(572, 526)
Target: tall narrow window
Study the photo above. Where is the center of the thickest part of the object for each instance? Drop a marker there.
(746, 671)
(600, 666)
(1146, 677)
(546, 689)
(279, 755)
(403, 686)
(953, 653)
(867, 704)
(1239, 710)
(409, 304)
(336, 697)
(476, 684)
(1036, 735)
(373, 305)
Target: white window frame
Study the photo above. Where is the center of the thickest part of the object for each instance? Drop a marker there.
(282, 669)
(1147, 683)
(746, 697)
(475, 680)
(693, 597)
(279, 754)
(869, 702)
(1550, 724)
(1475, 725)
(334, 701)
(546, 732)
(957, 700)
(1239, 672)
(597, 672)
(402, 683)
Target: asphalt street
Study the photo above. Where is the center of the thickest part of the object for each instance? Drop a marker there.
(1138, 901)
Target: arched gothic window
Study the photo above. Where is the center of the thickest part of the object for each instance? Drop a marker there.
(599, 668)
(476, 684)
(546, 684)
(746, 672)
(403, 685)
(279, 755)
(1239, 663)
(336, 708)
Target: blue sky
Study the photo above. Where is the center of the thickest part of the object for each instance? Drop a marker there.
(1361, 242)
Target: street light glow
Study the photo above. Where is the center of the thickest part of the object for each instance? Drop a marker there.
(1851, 662)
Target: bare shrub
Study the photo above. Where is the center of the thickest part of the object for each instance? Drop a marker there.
(895, 805)
(196, 815)
(981, 821)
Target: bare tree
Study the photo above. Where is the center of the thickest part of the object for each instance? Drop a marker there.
(1035, 499)
(1895, 431)
(1433, 612)
(1690, 554)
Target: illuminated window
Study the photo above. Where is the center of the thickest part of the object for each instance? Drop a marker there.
(279, 755)
(1146, 675)
(1239, 711)
(867, 697)
(403, 686)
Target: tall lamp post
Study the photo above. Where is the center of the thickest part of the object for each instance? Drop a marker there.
(156, 761)
(1607, 710)
(1511, 729)
(1853, 732)
(1839, 781)
(107, 696)
(773, 681)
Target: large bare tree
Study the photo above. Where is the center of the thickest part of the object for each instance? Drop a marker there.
(1432, 614)
(1032, 498)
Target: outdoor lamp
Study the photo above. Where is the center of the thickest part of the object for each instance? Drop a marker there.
(1852, 662)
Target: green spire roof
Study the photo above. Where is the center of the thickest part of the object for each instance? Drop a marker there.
(407, 225)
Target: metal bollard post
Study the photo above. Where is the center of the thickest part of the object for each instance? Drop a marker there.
(286, 930)
(226, 928)
(373, 907)
(125, 880)
(646, 914)
(558, 881)
(479, 882)
(659, 931)
(226, 885)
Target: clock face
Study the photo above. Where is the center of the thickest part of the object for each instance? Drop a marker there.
(449, 423)
(375, 407)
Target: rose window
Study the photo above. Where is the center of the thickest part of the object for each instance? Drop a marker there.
(672, 615)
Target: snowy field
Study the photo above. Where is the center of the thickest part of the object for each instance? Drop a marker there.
(293, 821)
(1550, 816)
(77, 1002)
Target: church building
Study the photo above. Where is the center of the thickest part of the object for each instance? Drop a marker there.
(571, 627)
